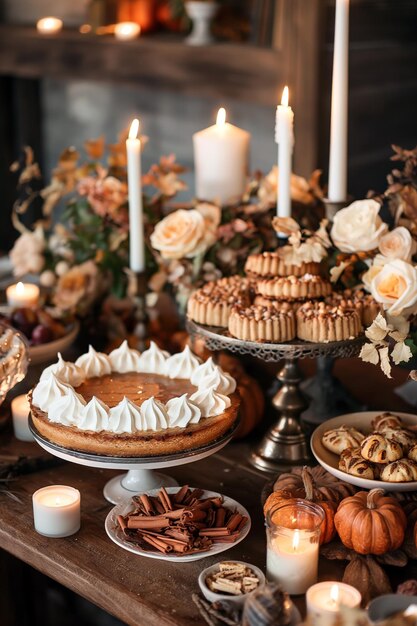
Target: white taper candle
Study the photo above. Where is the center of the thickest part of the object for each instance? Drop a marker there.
(339, 115)
(134, 176)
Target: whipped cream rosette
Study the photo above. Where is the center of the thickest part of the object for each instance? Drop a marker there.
(152, 361)
(65, 371)
(94, 416)
(181, 412)
(182, 365)
(94, 363)
(48, 390)
(210, 402)
(125, 417)
(124, 359)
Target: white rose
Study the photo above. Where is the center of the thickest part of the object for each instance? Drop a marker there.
(397, 244)
(395, 286)
(186, 233)
(27, 253)
(375, 266)
(358, 227)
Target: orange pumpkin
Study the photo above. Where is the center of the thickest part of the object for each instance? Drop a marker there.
(326, 486)
(371, 523)
(307, 492)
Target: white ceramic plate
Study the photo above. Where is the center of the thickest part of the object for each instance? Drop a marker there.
(48, 351)
(361, 421)
(116, 535)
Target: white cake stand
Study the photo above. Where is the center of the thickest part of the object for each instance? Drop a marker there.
(140, 476)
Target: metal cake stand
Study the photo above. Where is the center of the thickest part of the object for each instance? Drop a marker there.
(140, 476)
(285, 442)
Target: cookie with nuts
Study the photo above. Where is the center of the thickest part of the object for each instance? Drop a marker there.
(293, 288)
(337, 440)
(379, 449)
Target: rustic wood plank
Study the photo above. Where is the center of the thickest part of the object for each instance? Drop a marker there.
(134, 589)
(237, 71)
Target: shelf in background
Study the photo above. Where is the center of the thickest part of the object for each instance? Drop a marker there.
(238, 71)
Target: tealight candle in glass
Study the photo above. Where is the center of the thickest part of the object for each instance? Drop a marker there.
(293, 533)
(326, 599)
(56, 510)
(22, 295)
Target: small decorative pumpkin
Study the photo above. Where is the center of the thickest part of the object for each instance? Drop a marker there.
(368, 577)
(307, 492)
(371, 523)
(326, 486)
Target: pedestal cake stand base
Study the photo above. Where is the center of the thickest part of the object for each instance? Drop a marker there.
(140, 476)
(285, 443)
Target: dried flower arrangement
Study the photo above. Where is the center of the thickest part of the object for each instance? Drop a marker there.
(80, 251)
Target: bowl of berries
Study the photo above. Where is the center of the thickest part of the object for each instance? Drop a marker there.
(45, 334)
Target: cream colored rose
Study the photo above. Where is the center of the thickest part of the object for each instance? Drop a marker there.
(27, 253)
(397, 244)
(186, 233)
(358, 227)
(395, 286)
(375, 266)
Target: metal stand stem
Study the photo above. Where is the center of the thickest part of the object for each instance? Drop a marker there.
(141, 313)
(332, 207)
(328, 396)
(285, 442)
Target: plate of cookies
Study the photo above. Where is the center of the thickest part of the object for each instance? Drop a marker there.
(370, 449)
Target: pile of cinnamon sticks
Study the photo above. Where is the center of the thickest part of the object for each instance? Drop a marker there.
(181, 523)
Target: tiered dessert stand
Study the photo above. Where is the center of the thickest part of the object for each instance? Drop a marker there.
(285, 443)
(140, 476)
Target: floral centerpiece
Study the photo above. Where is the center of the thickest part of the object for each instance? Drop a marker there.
(375, 242)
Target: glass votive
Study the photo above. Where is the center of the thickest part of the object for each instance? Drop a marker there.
(326, 599)
(293, 533)
(57, 511)
(20, 414)
(22, 295)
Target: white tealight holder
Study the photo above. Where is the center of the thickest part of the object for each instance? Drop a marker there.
(20, 415)
(326, 599)
(57, 511)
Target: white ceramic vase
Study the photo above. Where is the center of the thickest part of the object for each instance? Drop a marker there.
(201, 14)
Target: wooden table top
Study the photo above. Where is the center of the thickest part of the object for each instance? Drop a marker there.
(136, 590)
(139, 590)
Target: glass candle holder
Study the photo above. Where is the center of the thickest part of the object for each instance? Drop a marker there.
(293, 533)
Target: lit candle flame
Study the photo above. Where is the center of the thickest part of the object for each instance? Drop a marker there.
(49, 25)
(296, 540)
(134, 129)
(20, 288)
(334, 594)
(221, 117)
(285, 97)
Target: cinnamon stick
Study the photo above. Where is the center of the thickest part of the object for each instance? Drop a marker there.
(147, 505)
(234, 521)
(162, 546)
(148, 522)
(164, 498)
(220, 517)
(180, 495)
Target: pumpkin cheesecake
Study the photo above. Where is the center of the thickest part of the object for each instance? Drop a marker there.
(128, 404)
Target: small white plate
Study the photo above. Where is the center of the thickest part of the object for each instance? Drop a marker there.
(362, 422)
(116, 535)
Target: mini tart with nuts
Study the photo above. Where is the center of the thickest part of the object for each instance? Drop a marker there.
(260, 323)
(321, 323)
(211, 305)
(306, 287)
(359, 300)
(270, 264)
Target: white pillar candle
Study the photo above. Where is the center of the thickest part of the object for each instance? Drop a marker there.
(20, 414)
(134, 179)
(284, 136)
(324, 601)
(56, 511)
(339, 114)
(124, 31)
(49, 25)
(292, 560)
(22, 295)
(221, 158)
